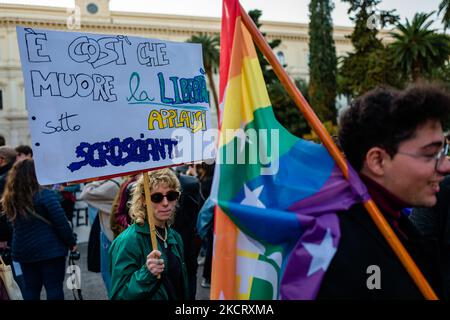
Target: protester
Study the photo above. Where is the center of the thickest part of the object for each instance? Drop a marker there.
(41, 232)
(68, 198)
(183, 169)
(191, 170)
(135, 266)
(394, 139)
(24, 152)
(100, 195)
(7, 159)
(93, 249)
(205, 223)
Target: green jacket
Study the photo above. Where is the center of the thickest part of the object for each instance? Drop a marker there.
(130, 278)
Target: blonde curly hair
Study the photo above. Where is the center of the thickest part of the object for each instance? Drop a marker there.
(163, 177)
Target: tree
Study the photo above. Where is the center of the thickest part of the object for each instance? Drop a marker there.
(370, 64)
(211, 54)
(445, 6)
(284, 108)
(417, 48)
(322, 61)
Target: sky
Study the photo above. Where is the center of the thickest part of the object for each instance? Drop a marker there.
(273, 10)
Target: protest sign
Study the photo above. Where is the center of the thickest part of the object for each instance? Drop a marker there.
(102, 105)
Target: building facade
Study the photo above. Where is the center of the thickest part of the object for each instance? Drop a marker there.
(94, 16)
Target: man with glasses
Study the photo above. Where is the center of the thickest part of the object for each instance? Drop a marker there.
(394, 139)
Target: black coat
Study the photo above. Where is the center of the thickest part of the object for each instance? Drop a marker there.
(361, 246)
(93, 257)
(435, 223)
(5, 229)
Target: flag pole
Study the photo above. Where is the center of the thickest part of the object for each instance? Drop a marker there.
(326, 139)
(150, 219)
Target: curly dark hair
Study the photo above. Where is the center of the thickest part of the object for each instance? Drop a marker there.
(385, 117)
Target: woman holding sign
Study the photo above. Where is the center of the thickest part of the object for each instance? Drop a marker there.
(138, 271)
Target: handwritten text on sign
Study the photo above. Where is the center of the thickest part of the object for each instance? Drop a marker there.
(102, 105)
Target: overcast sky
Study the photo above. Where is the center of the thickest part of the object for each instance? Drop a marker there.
(273, 10)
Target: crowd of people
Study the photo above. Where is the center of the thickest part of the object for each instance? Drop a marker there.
(394, 139)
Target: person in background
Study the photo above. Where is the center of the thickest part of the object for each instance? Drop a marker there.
(191, 170)
(68, 198)
(205, 224)
(205, 174)
(100, 196)
(24, 152)
(181, 169)
(2, 140)
(42, 235)
(7, 159)
(394, 140)
(135, 265)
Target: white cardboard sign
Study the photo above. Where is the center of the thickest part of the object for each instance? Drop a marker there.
(102, 105)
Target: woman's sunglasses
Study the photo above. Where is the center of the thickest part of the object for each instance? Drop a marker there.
(170, 196)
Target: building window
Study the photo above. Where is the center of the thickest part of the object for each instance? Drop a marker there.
(1, 100)
(92, 8)
(280, 57)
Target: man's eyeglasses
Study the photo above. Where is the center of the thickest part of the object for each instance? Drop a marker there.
(439, 157)
(170, 196)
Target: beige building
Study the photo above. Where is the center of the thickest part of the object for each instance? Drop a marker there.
(94, 16)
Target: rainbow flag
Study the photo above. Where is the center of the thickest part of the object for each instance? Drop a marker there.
(276, 195)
